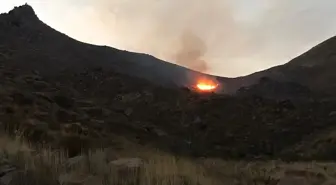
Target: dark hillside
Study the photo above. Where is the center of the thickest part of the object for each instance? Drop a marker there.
(58, 90)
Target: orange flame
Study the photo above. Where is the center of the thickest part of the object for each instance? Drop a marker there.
(206, 85)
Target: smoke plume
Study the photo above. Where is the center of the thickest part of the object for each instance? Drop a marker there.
(191, 51)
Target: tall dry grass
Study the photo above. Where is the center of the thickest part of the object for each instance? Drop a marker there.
(44, 166)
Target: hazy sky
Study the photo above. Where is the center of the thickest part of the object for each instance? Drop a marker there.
(232, 37)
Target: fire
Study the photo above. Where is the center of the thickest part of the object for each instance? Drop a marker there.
(206, 85)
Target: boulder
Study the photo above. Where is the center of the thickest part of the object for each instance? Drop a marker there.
(75, 161)
(76, 127)
(94, 111)
(7, 172)
(64, 101)
(65, 116)
(127, 163)
(127, 169)
(21, 98)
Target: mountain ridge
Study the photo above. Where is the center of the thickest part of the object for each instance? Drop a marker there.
(303, 69)
(54, 84)
(137, 64)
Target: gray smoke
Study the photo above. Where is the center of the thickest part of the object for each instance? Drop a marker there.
(191, 51)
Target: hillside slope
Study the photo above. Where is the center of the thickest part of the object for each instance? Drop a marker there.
(21, 30)
(73, 95)
(314, 69)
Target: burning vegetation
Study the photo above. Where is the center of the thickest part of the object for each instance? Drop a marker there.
(190, 55)
(205, 84)
(206, 87)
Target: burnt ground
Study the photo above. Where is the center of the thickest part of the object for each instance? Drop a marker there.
(59, 92)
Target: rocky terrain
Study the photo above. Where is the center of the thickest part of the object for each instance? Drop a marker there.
(79, 100)
(64, 92)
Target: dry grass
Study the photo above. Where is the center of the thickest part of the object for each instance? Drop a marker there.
(45, 166)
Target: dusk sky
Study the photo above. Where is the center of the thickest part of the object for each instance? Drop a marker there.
(238, 37)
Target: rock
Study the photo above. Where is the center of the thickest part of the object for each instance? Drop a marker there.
(7, 178)
(84, 103)
(175, 179)
(74, 144)
(72, 179)
(40, 85)
(305, 173)
(333, 113)
(96, 124)
(64, 101)
(118, 107)
(42, 96)
(65, 116)
(94, 180)
(197, 120)
(127, 169)
(23, 13)
(31, 78)
(127, 163)
(293, 176)
(159, 132)
(35, 130)
(75, 161)
(77, 128)
(128, 97)
(93, 111)
(6, 168)
(292, 181)
(6, 173)
(80, 179)
(36, 124)
(22, 98)
(128, 112)
(40, 115)
(9, 109)
(287, 104)
(152, 129)
(36, 72)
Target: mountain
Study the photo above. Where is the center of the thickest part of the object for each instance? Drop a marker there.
(23, 31)
(75, 95)
(313, 69)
